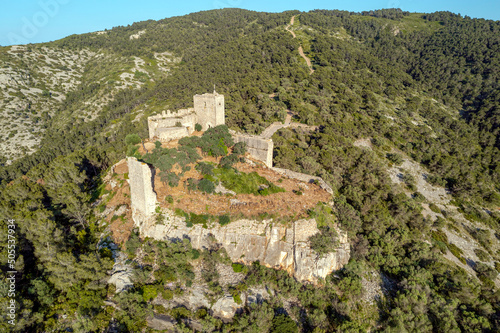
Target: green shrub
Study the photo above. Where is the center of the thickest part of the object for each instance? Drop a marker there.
(160, 219)
(206, 186)
(283, 324)
(482, 255)
(455, 250)
(215, 141)
(197, 127)
(201, 313)
(166, 274)
(166, 161)
(132, 244)
(195, 254)
(132, 139)
(198, 219)
(483, 236)
(224, 219)
(132, 150)
(443, 247)
(419, 197)
(237, 298)
(171, 178)
(439, 236)
(102, 208)
(435, 180)
(191, 155)
(167, 294)
(169, 199)
(227, 162)
(486, 271)
(409, 180)
(180, 312)
(240, 148)
(237, 268)
(325, 241)
(205, 168)
(149, 292)
(190, 141)
(179, 212)
(395, 158)
(192, 184)
(452, 226)
(434, 208)
(440, 222)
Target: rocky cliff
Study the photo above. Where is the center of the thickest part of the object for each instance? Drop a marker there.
(273, 245)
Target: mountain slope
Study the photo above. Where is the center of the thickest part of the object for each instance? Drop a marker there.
(421, 90)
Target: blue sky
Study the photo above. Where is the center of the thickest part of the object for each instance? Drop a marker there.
(34, 21)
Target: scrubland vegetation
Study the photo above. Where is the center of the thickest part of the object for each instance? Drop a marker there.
(418, 86)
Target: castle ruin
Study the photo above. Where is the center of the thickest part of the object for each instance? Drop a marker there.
(245, 241)
(208, 111)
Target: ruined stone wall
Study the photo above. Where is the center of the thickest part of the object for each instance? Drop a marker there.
(209, 109)
(171, 133)
(142, 195)
(163, 126)
(259, 148)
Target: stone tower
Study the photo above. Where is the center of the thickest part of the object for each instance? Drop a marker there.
(209, 109)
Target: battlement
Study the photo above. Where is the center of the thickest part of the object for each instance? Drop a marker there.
(170, 114)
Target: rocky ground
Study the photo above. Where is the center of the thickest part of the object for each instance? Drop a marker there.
(35, 80)
(458, 227)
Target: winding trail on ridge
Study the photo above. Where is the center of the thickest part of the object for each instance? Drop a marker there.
(301, 50)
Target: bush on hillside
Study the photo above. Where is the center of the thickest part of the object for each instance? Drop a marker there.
(206, 186)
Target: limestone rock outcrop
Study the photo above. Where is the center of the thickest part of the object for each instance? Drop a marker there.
(121, 275)
(246, 241)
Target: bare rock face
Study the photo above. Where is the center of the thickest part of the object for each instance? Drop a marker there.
(273, 245)
(161, 322)
(226, 307)
(122, 273)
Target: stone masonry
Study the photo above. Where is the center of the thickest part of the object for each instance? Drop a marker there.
(259, 148)
(208, 111)
(142, 197)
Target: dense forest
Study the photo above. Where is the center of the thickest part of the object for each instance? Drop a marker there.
(422, 86)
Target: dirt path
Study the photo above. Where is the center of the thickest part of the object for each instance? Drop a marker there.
(301, 50)
(287, 28)
(308, 61)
